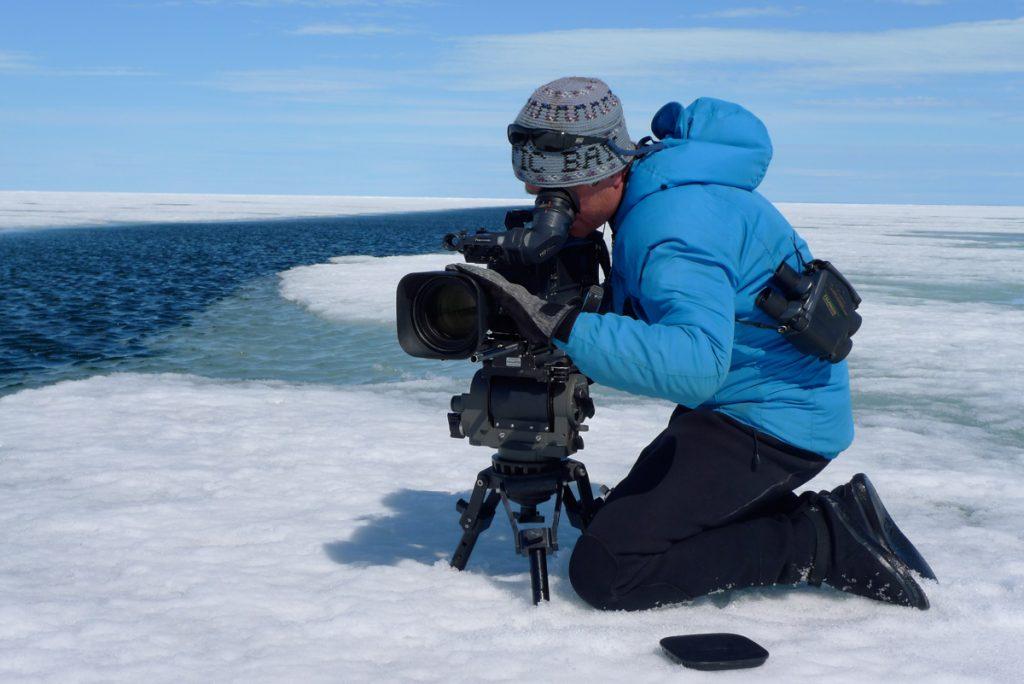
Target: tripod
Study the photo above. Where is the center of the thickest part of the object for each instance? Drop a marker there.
(526, 484)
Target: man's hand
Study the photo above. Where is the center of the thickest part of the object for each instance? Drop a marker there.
(537, 319)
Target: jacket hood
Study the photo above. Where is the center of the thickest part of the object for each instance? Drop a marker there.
(711, 141)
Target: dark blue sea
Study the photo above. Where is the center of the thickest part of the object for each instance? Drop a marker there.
(197, 297)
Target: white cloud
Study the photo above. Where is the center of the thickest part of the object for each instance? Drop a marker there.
(13, 61)
(114, 71)
(912, 102)
(500, 62)
(296, 83)
(342, 30)
(19, 63)
(917, 3)
(301, 3)
(753, 12)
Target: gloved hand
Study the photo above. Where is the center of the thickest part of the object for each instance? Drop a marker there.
(538, 320)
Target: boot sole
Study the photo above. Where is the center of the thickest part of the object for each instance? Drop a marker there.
(882, 524)
(899, 573)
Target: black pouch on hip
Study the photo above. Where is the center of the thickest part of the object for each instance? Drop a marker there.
(815, 310)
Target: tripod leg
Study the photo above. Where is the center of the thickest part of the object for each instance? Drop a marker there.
(586, 494)
(475, 519)
(581, 511)
(539, 575)
(572, 509)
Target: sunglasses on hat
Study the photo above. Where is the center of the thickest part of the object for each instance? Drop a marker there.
(549, 140)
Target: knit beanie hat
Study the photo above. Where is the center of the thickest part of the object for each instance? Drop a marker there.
(584, 106)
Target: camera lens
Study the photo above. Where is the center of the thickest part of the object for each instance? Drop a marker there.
(445, 314)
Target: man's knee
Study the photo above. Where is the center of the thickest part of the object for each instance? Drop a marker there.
(592, 572)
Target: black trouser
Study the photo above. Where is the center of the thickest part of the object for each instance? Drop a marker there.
(708, 505)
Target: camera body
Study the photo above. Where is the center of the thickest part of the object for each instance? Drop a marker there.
(447, 315)
(527, 402)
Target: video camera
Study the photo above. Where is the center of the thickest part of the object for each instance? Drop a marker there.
(446, 315)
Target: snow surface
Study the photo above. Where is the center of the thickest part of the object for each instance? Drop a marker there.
(21, 210)
(356, 288)
(178, 528)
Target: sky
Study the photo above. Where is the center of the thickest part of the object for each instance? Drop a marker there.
(876, 101)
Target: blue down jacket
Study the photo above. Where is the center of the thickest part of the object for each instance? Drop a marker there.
(694, 244)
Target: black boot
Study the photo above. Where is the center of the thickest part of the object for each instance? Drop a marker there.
(872, 514)
(851, 557)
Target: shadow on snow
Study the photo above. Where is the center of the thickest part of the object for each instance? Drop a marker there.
(423, 526)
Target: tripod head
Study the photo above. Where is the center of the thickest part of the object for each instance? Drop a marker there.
(531, 409)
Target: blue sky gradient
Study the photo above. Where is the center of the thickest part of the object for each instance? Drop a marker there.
(912, 101)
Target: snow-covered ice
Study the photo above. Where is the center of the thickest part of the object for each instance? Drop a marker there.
(173, 527)
(356, 288)
(24, 209)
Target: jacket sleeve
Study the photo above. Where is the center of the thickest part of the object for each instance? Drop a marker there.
(686, 292)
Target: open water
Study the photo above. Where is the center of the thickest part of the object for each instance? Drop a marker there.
(199, 298)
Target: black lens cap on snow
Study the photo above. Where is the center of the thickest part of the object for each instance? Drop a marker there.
(714, 651)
